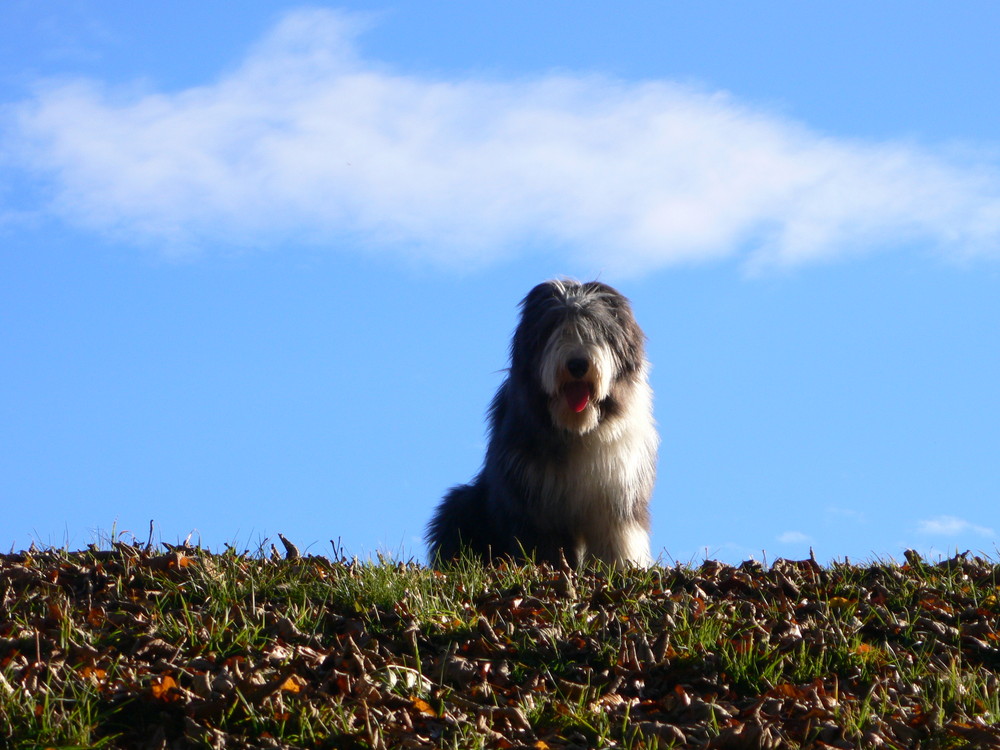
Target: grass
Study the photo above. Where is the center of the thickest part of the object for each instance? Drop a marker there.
(129, 647)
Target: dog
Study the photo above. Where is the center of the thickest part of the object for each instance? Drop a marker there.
(571, 458)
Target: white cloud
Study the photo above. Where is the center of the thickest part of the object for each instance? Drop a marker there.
(794, 537)
(308, 141)
(952, 526)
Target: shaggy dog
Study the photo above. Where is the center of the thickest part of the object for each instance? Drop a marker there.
(572, 442)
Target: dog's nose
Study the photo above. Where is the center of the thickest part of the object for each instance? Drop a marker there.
(578, 367)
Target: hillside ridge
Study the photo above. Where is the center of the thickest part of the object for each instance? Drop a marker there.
(137, 647)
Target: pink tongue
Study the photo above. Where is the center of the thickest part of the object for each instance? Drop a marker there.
(577, 395)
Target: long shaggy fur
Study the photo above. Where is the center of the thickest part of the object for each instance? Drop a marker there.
(572, 443)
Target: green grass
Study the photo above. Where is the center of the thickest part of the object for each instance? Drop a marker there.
(127, 646)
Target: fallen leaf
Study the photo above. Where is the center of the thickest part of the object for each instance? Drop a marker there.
(423, 706)
(165, 688)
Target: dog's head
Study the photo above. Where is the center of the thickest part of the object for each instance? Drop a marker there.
(580, 346)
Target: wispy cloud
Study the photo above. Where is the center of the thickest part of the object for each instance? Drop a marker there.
(952, 526)
(309, 141)
(794, 537)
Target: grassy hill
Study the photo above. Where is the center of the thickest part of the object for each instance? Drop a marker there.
(130, 647)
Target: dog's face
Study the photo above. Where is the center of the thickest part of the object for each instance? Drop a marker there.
(580, 346)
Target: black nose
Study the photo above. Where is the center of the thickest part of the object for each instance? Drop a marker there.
(578, 367)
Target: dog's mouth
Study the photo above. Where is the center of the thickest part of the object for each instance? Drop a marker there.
(577, 394)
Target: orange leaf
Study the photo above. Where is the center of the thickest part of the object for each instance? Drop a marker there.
(424, 707)
(95, 672)
(165, 688)
(291, 685)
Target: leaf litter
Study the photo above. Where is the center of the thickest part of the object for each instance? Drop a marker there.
(129, 647)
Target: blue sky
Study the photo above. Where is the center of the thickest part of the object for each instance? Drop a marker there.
(259, 267)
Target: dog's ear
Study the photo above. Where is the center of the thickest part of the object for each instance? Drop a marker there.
(632, 345)
(534, 326)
